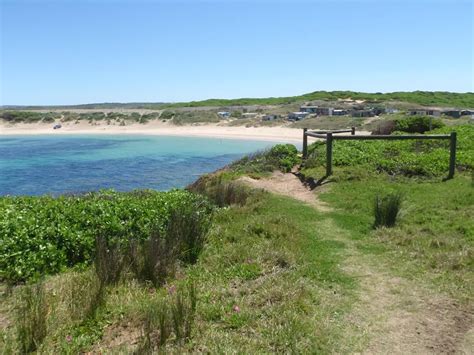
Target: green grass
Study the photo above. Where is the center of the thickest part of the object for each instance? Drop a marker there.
(434, 235)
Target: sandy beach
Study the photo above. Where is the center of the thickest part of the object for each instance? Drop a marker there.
(272, 134)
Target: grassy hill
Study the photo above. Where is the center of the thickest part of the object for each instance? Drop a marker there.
(425, 98)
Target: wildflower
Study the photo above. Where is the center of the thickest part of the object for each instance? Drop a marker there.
(68, 338)
(171, 289)
(236, 309)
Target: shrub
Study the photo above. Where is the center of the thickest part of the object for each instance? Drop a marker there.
(222, 193)
(280, 157)
(417, 124)
(43, 235)
(31, 318)
(167, 115)
(385, 127)
(286, 155)
(386, 209)
(108, 261)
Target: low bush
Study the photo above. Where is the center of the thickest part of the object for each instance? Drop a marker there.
(418, 124)
(220, 191)
(167, 115)
(280, 157)
(43, 235)
(387, 209)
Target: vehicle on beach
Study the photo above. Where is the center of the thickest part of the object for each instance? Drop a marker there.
(57, 126)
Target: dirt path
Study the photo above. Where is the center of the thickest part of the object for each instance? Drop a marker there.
(393, 315)
(287, 185)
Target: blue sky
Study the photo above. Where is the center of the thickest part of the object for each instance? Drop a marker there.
(71, 52)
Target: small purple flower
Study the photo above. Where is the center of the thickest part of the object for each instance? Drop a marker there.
(68, 338)
(171, 289)
(236, 308)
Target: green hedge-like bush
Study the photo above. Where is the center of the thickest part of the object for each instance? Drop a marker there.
(417, 124)
(43, 235)
(280, 157)
(426, 158)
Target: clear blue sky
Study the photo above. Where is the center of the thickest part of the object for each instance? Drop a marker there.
(70, 52)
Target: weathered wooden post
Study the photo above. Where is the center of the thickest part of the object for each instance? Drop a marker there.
(353, 131)
(328, 154)
(305, 143)
(452, 155)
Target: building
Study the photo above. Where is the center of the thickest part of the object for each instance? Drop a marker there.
(269, 117)
(224, 114)
(363, 113)
(423, 112)
(338, 112)
(391, 110)
(249, 115)
(452, 113)
(309, 109)
(324, 111)
(297, 116)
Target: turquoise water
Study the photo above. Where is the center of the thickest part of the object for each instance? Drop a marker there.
(35, 165)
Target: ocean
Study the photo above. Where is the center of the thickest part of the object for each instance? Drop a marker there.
(37, 165)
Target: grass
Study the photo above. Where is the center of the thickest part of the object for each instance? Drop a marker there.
(387, 209)
(433, 239)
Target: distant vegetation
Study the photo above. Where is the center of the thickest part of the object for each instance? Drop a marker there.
(426, 98)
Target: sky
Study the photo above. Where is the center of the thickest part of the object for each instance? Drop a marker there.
(86, 51)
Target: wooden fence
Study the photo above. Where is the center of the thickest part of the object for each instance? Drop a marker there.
(330, 136)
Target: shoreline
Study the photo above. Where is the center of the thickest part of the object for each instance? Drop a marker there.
(270, 134)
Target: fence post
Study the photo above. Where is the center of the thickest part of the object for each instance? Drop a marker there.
(353, 131)
(305, 143)
(328, 154)
(452, 155)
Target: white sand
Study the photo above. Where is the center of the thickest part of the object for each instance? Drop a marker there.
(274, 134)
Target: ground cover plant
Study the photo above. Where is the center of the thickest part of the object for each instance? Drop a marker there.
(408, 158)
(41, 235)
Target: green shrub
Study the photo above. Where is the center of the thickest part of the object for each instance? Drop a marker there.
(387, 209)
(43, 235)
(280, 157)
(167, 115)
(286, 155)
(221, 192)
(417, 124)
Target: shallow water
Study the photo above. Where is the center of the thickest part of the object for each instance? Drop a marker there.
(35, 165)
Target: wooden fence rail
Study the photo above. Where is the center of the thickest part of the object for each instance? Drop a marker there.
(330, 136)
